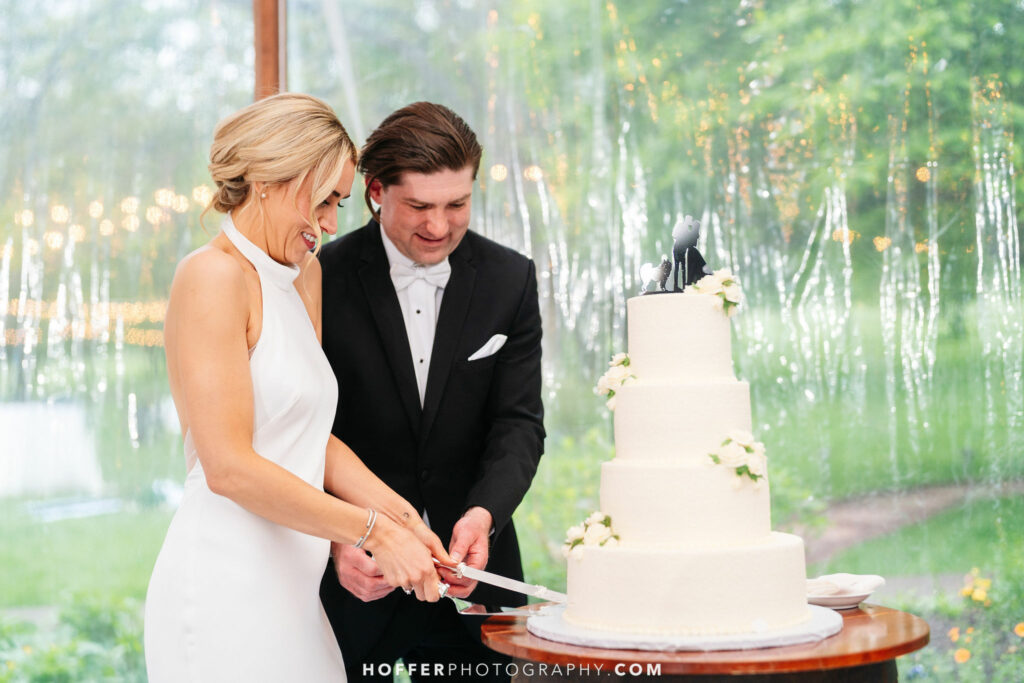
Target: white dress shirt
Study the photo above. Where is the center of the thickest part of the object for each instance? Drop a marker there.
(420, 302)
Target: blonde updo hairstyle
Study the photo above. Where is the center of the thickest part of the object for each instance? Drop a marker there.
(284, 137)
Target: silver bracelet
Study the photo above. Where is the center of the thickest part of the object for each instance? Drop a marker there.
(370, 521)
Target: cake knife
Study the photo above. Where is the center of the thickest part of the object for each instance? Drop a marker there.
(505, 582)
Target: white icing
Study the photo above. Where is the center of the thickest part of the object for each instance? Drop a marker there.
(676, 338)
(659, 504)
(690, 592)
(678, 422)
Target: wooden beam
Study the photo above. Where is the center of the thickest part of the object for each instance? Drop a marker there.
(271, 43)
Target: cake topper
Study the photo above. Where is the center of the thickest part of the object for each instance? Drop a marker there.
(687, 265)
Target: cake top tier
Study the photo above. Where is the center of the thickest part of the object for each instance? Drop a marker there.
(679, 338)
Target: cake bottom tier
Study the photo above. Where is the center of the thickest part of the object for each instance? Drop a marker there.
(690, 592)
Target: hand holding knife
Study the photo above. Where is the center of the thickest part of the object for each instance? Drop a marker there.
(461, 570)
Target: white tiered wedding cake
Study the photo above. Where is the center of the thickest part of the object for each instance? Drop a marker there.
(683, 544)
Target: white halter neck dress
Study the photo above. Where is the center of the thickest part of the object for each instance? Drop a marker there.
(233, 596)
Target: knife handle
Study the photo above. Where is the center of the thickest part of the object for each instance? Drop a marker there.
(456, 570)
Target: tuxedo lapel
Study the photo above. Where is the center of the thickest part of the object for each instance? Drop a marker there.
(387, 316)
(450, 322)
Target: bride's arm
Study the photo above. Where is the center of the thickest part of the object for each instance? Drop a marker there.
(208, 313)
(349, 479)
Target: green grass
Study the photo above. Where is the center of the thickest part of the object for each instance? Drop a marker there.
(107, 555)
(981, 533)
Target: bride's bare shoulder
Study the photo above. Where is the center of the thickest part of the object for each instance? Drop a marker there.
(209, 270)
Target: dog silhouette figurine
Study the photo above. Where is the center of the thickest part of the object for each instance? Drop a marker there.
(655, 274)
(688, 265)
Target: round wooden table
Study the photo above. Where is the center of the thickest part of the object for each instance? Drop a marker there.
(864, 651)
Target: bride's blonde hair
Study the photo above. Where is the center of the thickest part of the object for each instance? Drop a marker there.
(284, 137)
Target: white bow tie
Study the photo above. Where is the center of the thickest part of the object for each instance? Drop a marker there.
(436, 275)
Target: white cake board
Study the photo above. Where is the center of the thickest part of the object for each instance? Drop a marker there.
(550, 625)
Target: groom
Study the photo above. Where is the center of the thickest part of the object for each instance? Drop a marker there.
(434, 334)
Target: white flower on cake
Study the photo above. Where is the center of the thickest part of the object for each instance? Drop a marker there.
(597, 517)
(741, 437)
(617, 375)
(742, 454)
(732, 454)
(595, 531)
(756, 466)
(596, 534)
(722, 285)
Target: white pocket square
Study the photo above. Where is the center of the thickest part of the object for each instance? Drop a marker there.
(490, 348)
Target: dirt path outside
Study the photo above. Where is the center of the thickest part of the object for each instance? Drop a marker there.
(853, 521)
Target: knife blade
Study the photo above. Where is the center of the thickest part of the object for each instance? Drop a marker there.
(505, 582)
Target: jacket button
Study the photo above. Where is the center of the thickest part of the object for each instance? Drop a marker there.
(424, 474)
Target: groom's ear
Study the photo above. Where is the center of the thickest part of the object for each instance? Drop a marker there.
(374, 190)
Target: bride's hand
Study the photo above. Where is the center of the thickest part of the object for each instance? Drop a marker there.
(433, 543)
(405, 557)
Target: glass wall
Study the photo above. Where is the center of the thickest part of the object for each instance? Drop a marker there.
(854, 162)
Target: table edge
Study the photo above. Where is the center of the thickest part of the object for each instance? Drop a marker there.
(691, 662)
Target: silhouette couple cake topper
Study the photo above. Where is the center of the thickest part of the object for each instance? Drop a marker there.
(687, 265)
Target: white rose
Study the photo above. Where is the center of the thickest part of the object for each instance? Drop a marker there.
(603, 386)
(565, 551)
(718, 303)
(577, 552)
(741, 436)
(756, 464)
(611, 542)
(618, 359)
(596, 517)
(732, 455)
(617, 375)
(759, 449)
(574, 533)
(734, 294)
(610, 403)
(705, 285)
(596, 534)
(724, 274)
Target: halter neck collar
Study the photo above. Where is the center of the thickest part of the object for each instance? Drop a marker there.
(280, 274)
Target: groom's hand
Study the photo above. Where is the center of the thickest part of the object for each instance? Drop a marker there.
(470, 544)
(358, 573)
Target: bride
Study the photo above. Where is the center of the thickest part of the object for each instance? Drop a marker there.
(234, 594)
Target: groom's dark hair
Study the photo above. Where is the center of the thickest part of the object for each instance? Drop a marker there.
(422, 137)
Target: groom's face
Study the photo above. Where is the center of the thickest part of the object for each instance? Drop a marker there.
(426, 215)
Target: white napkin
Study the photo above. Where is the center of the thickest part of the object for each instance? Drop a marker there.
(490, 348)
(844, 584)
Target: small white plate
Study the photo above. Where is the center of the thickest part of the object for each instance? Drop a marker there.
(838, 601)
(847, 590)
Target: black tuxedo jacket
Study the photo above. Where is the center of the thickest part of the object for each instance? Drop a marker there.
(479, 435)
